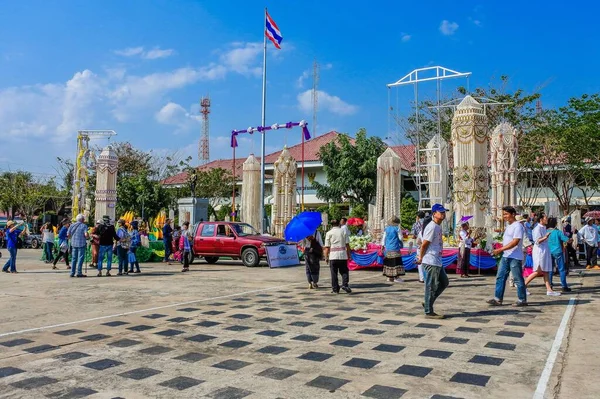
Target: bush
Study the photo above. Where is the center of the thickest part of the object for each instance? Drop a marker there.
(358, 211)
(408, 211)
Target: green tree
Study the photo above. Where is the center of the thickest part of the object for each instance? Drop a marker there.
(351, 169)
(408, 211)
(359, 211)
(213, 184)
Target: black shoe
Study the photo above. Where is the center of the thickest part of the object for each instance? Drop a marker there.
(347, 289)
(81, 275)
(566, 289)
(108, 274)
(138, 271)
(99, 274)
(335, 292)
(72, 275)
(119, 274)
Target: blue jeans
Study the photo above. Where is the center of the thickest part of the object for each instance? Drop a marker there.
(12, 261)
(48, 251)
(559, 261)
(436, 282)
(105, 250)
(123, 259)
(508, 265)
(77, 257)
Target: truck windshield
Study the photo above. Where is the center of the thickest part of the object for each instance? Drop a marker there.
(243, 229)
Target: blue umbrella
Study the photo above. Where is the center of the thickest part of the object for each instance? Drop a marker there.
(302, 226)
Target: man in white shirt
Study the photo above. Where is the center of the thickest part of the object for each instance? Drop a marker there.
(430, 255)
(337, 252)
(344, 226)
(589, 235)
(512, 259)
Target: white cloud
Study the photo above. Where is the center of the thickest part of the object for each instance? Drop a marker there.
(405, 37)
(448, 28)
(153, 54)
(175, 115)
(301, 79)
(476, 22)
(243, 58)
(327, 102)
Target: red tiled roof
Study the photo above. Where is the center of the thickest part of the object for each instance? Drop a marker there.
(226, 164)
(407, 156)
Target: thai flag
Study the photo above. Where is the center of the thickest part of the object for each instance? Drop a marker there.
(272, 32)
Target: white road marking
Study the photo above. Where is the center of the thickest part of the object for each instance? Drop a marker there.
(173, 305)
(560, 334)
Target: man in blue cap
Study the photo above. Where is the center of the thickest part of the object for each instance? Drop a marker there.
(430, 256)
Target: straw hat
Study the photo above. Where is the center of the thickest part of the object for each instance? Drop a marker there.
(10, 223)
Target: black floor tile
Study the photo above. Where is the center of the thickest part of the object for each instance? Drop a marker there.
(371, 331)
(240, 316)
(230, 393)
(314, 305)
(411, 336)
(72, 356)
(301, 324)
(156, 350)
(444, 397)
(478, 320)
(237, 328)
(241, 299)
(513, 334)
(328, 383)
(8, 371)
(356, 318)
(169, 333)
(415, 371)
(374, 311)
(178, 319)
(213, 312)
(192, 357)
(265, 301)
(517, 323)
(306, 338)
(188, 310)
(492, 361)
(271, 333)
(468, 329)
(294, 312)
(201, 338)
(263, 295)
(345, 309)
(436, 354)
(154, 316)
(34, 382)
(268, 309)
(72, 331)
(269, 320)
(500, 345)
(383, 392)
(207, 323)
(41, 348)
(102, 364)
(231, 364)
(364, 303)
(471, 379)
(235, 343)
(276, 373)
(349, 343)
(140, 373)
(115, 323)
(94, 337)
(315, 356)
(334, 328)
(141, 327)
(273, 350)
(16, 342)
(428, 325)
(124, 343)
(240, 306)
(181, 383)
(325, 315)
(72, 393)
(361, 363)
(454, 340)
(388, 348)
(392, 322)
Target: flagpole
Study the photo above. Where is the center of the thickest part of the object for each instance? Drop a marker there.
(262, 134)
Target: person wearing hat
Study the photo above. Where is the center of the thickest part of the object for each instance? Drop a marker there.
(12, 233)
(391, 244)
(108, 236)
(430, 255)
(135, 244)
(589, 235)
(123, 245)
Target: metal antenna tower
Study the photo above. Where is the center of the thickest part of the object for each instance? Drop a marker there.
(315, 95)
(203, 144)
(538, 107)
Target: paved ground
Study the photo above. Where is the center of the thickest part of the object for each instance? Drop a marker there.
(225, 331)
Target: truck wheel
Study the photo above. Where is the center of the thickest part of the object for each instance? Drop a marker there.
(35, 244)
(211, 260)
(250, 257)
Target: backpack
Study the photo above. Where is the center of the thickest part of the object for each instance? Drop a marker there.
(125, 241)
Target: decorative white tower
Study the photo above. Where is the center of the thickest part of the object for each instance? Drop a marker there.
(251, 203)
(284, 192)
(106, 183)
(503, 165)
(387, 198)
(471, 178)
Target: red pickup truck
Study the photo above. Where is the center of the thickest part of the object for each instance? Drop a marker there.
(213, 240)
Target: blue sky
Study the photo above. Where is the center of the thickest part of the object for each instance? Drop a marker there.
(140, 67)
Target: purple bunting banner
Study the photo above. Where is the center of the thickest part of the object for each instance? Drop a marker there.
(262, 129)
